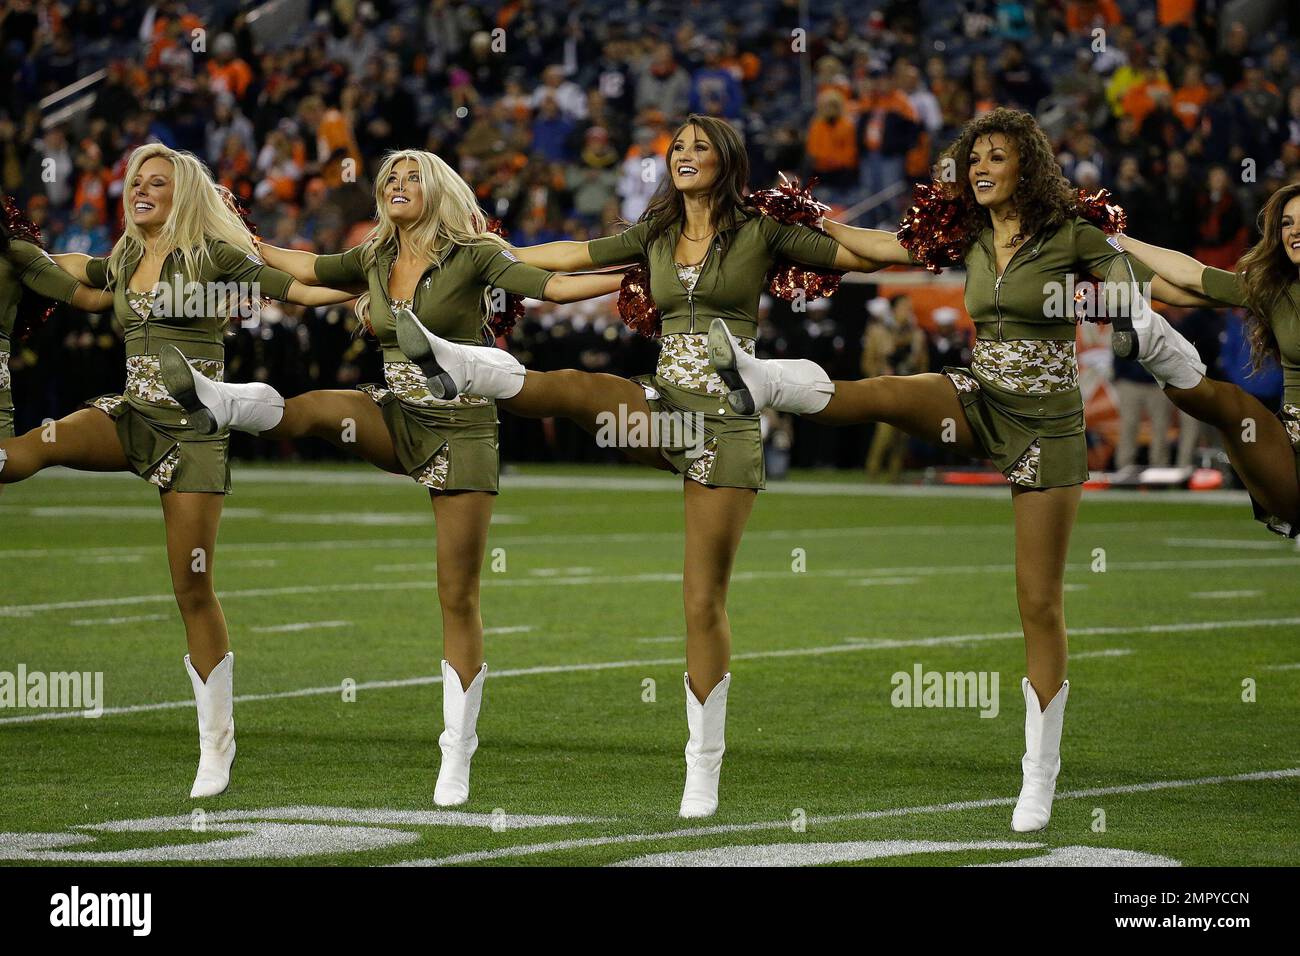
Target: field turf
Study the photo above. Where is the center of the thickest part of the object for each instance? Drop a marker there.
(1180, 737)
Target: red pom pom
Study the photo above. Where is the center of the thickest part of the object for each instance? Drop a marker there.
(791, 204)
(33, 309)
(503, 323)
(1097, 208)
(931, 230)
(636, 305)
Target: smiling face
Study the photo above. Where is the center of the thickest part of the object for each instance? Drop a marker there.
(404, 193)
(151, 193)
(1291, 230)
(693, 161)
(994, 169)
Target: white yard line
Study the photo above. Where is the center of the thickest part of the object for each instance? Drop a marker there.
(531, 849)
(850, 645)
(1105, 652)
(1231, 544)
(659, 577)
(300, 626)
(795, 536)
(1223, 595)
(106, 621)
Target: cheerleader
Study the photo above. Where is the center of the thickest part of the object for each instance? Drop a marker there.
(28, 277)
(1015, 226)
(708, 256)
(430, 256)
(181, 233)
(1264, 449)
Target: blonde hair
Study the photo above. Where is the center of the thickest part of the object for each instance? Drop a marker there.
(451, 217)
(202, 211)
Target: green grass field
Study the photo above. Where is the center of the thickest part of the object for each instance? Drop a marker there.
(327, 575)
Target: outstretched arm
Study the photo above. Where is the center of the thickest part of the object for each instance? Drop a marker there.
(1177, 268)
(301, 265)
(313, 295)
(556, 257)
(874, 247)
(92, 300)
(564, 288)
(1165, 291)
(74, 264)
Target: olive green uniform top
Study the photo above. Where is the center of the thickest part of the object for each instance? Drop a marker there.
(1033, 432)
(155, 433)
(24, 266)
(1284, 320)
(728, 286)
(444, 445)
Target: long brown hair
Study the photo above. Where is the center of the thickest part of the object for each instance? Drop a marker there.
(667, 208)
(1043, 197)
(1265, 274)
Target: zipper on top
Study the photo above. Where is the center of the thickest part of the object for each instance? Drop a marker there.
(997, 281)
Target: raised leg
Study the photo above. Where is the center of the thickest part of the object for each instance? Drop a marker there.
(1255, 440)
(584, 398)
(925, 406)
(86, 440)
(350, 420)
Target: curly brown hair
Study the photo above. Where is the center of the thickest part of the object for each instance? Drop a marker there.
(1044, 198)
(1265, 272)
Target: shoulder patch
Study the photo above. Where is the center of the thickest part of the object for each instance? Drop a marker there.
(253, 259)
(1111, 240)
(509, 255)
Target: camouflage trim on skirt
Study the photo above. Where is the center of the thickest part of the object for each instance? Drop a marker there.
(1289, 415)
(1035, 440)
(164, 450)
(729, 453)
(447, 448)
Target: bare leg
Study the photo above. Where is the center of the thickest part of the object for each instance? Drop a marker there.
(1256, 441)
(86, 440)
(925, 406)
(348, 419)
(715, 521)
(463, 519)
(192, 521)
(1044, 520)
(581, 397)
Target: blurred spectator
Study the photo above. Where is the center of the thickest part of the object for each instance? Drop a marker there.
(893, 345)
(1138, 395)
(832, 142)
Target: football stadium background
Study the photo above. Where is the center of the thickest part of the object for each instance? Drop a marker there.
(1183, 615)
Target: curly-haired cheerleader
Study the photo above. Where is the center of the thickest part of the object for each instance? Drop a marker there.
(708, 257)
(1017, 230)
(182, 234)
(432, 257)
(1263, 448)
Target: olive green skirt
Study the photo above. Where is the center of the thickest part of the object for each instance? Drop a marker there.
(453, 448)
(1288, 527)
(1035, 440)
(164, 450)
(707, 441)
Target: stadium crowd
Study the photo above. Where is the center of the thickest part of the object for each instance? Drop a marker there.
(553, 111)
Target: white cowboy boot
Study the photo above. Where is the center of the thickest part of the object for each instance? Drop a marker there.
(216, 703)
(452, 369)
(707, 723)
(1042, 760)
(459, 738)
(1157, 345)
(787, 385)
(214, 406)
